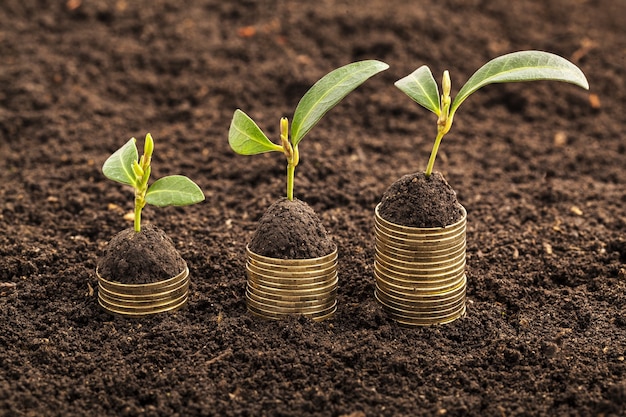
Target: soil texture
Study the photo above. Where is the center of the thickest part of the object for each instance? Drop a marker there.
(539, 167)
(417, 201)
(291, 230)
(140, 257)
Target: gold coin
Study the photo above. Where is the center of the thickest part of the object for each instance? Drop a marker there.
(292, 262)
(421, 269)
(278, 311)
(437, 234)
(183, 286)
(322, 300)
(313, 276)
(412, 254)
(417, 293)
(131, 311)
(413, 263)
(425, 246)
(419, 306)
(423, 276)
(411, 322)
(297, 269)
(144, 301)
(413, 230)
(143, 289)
(288, 289)
(272, 315)
(291, 298)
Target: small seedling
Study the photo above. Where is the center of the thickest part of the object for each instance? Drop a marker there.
(125, 167)
(515, 67)
(246, 138)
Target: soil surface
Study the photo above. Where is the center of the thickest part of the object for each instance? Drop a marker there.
(291, 230)
(417, 201)
(539, 167)
(140, 258)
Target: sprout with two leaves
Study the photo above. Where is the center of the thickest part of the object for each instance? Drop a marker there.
(514, 67)
(125, 167)
(246, 138)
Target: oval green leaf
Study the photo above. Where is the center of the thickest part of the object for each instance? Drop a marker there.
(421, 86)
(119, 166)
(519, 67)
(174, 190)
(246, 138)
(329, 91)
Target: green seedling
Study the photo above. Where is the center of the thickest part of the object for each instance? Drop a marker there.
(125, 167)
(246, 138)
(515, 67)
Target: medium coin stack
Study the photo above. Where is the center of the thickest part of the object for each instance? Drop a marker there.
(144, 299)
(281, 287)
(420, 272)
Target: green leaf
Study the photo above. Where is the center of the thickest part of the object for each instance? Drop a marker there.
(519, 67)
(422, 88)
(174, 190)
(119, 166)
(329, 91)
(246, 138)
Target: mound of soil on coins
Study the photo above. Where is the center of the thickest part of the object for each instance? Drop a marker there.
(291, 230)
(140, 258)
(417, 201)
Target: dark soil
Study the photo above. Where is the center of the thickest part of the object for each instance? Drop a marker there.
(140, 258)
(291, 230)
(540, 168)
(417, 201)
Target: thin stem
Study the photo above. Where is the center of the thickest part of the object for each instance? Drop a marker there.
(433, 154)
(292, 155)
(140, 203)
(143, 171)
(443, 123)
(138, 208)
(291, 171)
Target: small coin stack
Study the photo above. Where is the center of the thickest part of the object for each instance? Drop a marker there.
(144, 299)
(281, 287)
(420, 272)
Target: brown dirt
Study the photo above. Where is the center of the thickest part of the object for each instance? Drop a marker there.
(140, 258)
(539, 168)
(417, 201)
(291, 230)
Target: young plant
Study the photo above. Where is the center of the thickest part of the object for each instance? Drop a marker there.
(125, 167)
(515, 67)
(246, 138)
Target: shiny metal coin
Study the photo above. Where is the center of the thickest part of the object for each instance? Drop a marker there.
(291, 262)
(142, 289)
(434, 231)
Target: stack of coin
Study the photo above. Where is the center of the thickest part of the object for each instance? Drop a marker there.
(281, 287)
(420, 272)
(144, 299)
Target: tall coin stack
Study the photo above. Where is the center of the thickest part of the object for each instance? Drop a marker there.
(420, 272)
(278, 288)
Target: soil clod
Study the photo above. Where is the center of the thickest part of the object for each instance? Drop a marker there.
(140, 258)
(417, 201)
(291, 230)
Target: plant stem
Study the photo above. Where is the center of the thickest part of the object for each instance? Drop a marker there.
(292, 155)
(138, 208)
(140, 203)
(291, 170)
(433, 154)
(443, 123)
(143, 171)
